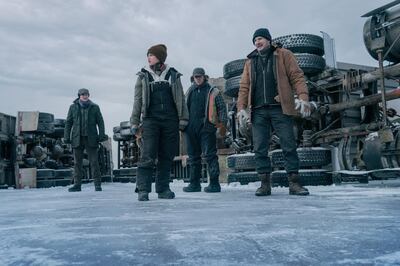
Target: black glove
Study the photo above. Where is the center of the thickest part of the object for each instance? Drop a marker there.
(67, 141)
(103, 138)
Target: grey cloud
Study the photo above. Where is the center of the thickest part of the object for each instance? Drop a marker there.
(49, 49)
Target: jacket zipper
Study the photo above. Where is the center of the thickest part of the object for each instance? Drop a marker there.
(265, 97)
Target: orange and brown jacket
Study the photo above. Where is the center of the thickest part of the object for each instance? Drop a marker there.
(288, 75)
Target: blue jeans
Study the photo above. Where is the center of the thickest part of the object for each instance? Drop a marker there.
(265, 119)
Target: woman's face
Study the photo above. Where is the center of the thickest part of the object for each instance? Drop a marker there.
(152, 59)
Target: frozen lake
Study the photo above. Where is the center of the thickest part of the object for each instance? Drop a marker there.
(350, 224)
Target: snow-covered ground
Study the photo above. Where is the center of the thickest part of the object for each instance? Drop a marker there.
(349, 224)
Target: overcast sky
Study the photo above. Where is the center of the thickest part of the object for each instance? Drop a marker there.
(50, 49)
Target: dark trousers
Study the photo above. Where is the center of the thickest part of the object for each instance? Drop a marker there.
(93, 155)
(201, 142)
(265, 119)
(160, 145)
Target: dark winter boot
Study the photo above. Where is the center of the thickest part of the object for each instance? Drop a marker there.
(294, 186)
(195, 174)
(265, 189)
(214, 186)
(75, 188)
(97, 185)
(143, 196)
(166, 194)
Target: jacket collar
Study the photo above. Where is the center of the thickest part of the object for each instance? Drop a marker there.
(76, 101)
(156, 77)
(274, 47)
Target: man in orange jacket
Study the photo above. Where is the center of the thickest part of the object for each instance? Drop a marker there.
(271, 78)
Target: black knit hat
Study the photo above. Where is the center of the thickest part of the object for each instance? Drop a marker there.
(83, 91)
(263, 32)
(159, 51)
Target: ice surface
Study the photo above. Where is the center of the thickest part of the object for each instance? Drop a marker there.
(343, 224)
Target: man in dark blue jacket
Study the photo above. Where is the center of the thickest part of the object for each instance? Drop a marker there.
(207, 112)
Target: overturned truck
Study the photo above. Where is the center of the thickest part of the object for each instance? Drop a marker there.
(351, 132)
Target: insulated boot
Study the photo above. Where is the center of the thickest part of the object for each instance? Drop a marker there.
(192, 187)
(214, 186)
(143, 196)
(97, 184)
(166, 194)
(265, 189)
(294, 186)
(195, 174)
(75, 188)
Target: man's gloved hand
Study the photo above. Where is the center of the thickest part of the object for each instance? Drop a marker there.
(303, 107)
(243, 118)
(67, 141)
(103, 138)
(222, 131)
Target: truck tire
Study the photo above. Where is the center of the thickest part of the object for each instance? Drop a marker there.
(243, 177)
(45, 128)
(302, 43)
(53, 183)
(308, 177)
(59, 122)
(46, 117)
(241, 161)
(118, 137)
(308, 157)
(310, 63)
(128, 171)
(233, 68)
(116, 129)
(63, 173)
(232, 86)
(58, 132)
(45, 173)
(125, 124)
(126, 133)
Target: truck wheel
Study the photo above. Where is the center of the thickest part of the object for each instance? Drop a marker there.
(59, 122)
(243, 177)
(45, 173)
(310, 63)
(232, 86)
(63, 173)
(46, 117)
(118, 137)
(126, 133)
(233, 68)
(128, 171)
(308, 157)
(308, 177)
(125, 124)
(116, 129)
(302, 43)
(241, 161)
(45, 128)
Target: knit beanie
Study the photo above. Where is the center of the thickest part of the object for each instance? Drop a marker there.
(262, 32)
(83, 91)
(159, 51)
